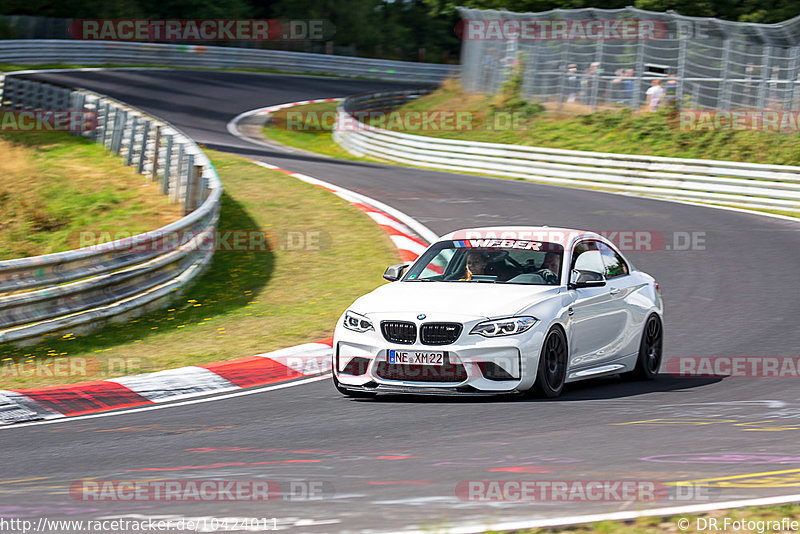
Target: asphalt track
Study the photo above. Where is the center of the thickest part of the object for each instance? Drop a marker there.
(394, 463)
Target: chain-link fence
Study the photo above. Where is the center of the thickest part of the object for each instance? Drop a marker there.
(606, 57)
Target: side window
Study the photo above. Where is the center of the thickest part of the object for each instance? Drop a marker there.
(613, 263)
(587, 257)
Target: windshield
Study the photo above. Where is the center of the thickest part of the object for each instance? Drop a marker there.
(503, 261)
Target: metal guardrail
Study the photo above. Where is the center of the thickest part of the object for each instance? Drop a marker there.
(745, 185)
(81, 289)
(37, 52)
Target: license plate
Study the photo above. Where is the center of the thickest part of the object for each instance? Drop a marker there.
(415, 357)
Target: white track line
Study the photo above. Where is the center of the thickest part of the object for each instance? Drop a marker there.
(476, 527)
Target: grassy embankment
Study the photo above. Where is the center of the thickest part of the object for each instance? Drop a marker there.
(618, 130)
(248, 301)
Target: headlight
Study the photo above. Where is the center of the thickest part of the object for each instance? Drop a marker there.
(504, 327)
(356, 322)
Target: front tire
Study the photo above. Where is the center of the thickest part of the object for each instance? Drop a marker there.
(552, 370)
(650, 350)
(353, 394)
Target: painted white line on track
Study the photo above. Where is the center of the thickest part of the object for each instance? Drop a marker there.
(476, 527)
(148, 407)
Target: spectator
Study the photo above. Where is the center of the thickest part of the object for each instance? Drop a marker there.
(616, 86)
(627, 87)
(654, 95)
(592, 80)
(671, 91)
(573, 84)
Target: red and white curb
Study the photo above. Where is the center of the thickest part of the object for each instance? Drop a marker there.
(310, 359)
(285, 365)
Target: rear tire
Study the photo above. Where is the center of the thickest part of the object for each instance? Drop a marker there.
(353, 394)
(650, 350)
(552, 371)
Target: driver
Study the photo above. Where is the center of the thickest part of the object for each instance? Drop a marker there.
(481, 262)
(551, 266)
(476, 262)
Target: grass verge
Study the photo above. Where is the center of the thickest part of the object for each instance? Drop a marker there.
(249, 301)
(53, 186)
(618, 130)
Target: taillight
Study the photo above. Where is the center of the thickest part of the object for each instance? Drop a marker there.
(658, 288)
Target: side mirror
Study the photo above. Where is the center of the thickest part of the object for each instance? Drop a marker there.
(395, 272)
(582, 278)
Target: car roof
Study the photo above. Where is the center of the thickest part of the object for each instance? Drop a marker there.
(533, 233)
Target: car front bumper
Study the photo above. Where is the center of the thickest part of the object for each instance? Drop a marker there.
(474, 364)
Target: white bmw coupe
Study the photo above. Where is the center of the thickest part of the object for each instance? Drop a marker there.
(502, 310)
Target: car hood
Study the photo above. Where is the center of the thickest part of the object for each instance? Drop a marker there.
(453, 298)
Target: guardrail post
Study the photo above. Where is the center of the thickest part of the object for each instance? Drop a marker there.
(156, 147)
(110, 126)
(120, 118)
(132, 140)
(65, 98)
(178, 181)
(201, 187)
(143, 147)
(102, 122)
(193, 175)
(167, 165)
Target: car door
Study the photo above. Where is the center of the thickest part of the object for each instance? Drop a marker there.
(596, 322)
(620, 285)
